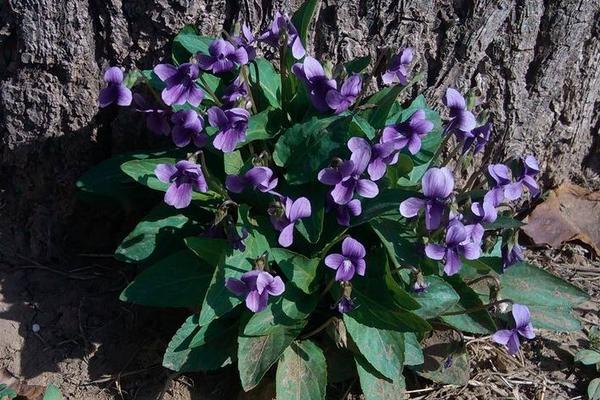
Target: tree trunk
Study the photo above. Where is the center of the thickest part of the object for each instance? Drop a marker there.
(536, 62)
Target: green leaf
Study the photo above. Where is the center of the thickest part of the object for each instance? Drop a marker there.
(361, 127)
(195, 348)
(219, 300)
(142, 171)
(396, 172)
(311, 227)
(587, 357)
(132, 78)
(383, 349)
(413, 353)
(438, 298)
(208, 249)
(548, 297)
(300, 270)
(187, 43)
(51, 393)
(306, 148)
(504, 222)
(233, 162)
(153, 80)
(381, 104)
(290, 310)
(7, 392)
(387, 203)
(256, 354)
(302, 372)
(179, 280)
(303, 17)
(593, 390)
(376, 386)
(157, 234)
(474, 322)
(265, 83)
(358, 64)
(261, 126)
(108, 180)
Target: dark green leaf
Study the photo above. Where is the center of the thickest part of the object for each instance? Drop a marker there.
(478, 321)
(208, 249)
(545, 294)
(268, 91)
(302, 372)
(51, 393)
(340, 365)
(361, 127)
(376, 386)
(306, 148)
(383, 349)
(261, 126)
(256, 354)
(593, 390)
(152, 80)
(438, 298)
(587, 357)
(413, 353)
(504, 222)
(6, 392)
(358, 64)
(233, 162)
(381, 104)
(187, 43)
(179, 280)
(300, 270)
(385, 204)
(195, 348)
(303, 17)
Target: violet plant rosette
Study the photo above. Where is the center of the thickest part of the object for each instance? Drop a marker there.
(296, 205)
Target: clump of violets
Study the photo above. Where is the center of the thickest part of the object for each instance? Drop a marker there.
(522, 327)
(223, 57)
(438, 184)
(231, 124)
(285, 213)
(181, 86)
(115, 92)
(461, 241)
(349, 262)
(183, 178)
(256, 286)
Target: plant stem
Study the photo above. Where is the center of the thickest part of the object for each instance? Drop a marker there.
(317, 329)
(478, 308)
(327, 288)
(283, 73)
(209, 91)
(473, 178)
(246, 78)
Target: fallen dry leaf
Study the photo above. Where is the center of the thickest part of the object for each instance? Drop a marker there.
(569, 213)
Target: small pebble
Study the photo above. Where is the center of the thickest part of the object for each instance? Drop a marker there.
(35, 328)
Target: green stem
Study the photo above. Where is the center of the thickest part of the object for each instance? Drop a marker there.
(246, 78)
(207, 89)
(317, 329)
(283, 73)
(478, 308)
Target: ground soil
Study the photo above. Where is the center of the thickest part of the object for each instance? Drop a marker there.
(95, 347)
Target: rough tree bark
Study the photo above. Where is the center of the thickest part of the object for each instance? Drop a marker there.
(537, 63)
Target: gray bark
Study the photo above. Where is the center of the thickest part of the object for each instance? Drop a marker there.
(536, 62)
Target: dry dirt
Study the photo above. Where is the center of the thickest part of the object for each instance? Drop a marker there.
(95, 347)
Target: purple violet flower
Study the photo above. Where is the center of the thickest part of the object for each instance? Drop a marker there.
(341, 100)
(317, 83)
(157, 120)
(503, 187)
(480, 135)
(343, 213)
(187, 127)
(523, 327)
(346, 178)
(461, 119)
(234, 92)
(408, 133)
(184, 177)
(284, 216)
(115, 92)
(527, 178)
(282, 23)
(382, 155)
(420, 286)
(348, 263)
(256, 177)
(460, 241)
(511, 255)
(438, 184)
(181, 86)
(232, 126)
(223, 57)
(484, 211)
(345, 304)
(245, 40)
(256, 286)
(397, 71)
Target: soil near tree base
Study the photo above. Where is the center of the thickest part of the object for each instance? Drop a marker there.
(94, 347)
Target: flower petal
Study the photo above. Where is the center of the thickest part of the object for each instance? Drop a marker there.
(334, 261)
(453, 263)
(353, 249)
(438, 183)
(165, 71)
(164, 172)
(502, 336)
(113, 75)
(361, 154)
(329, 176)
(257, 302)
(300, 209)
(277, 287)
(435, 251)
(235, 184)
(521, 315)
(236, 286)
(410, 207)
(453, 99)
(367, 188)
(312, 68)
(286, 236)
(179, 196)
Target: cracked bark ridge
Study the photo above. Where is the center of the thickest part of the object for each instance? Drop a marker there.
(537, 63)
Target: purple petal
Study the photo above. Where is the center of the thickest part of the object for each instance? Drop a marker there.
(263, 280)
(361, 154)
(257, 175)
(236, 286)
(453, 263)
(351, 86)
(300, 209)
(527, 331)
(257, 302)
(174, 95)
(235, 184)
(312, 68)
(454, 99)
(216, 117)
(240, 56)
(353, 249)
(521, 315)
(513, 344)
(354, 207)
(376, 169)
(502, 336)
(164, 172)
(465, 121)
(345, 272)
(414, 144)
(438, 183)
(107, 96)
(113, 75)
(361, 267)
(367, 188)
(456, 233)
(195, 95)
(513, 191)
(410, 207)
(179, 196)
(334, 261)
(342, 192)
(336, 101)
(165, 71)
(297, 48)
(471, 251)
(181, 136)
(276, 287)
(205, 61)
(286, 236)
(435, 251)
(220, 47)
(433, 215)
(329, 176)
(227, 140)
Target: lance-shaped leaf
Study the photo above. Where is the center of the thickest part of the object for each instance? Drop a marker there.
(303, 17)
(375, 386)
(179, 280)
(549, 298)
(302, 372)
(300, 270)
(256, 354)
(265, 83)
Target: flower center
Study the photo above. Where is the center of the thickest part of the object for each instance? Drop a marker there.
(346, 264)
